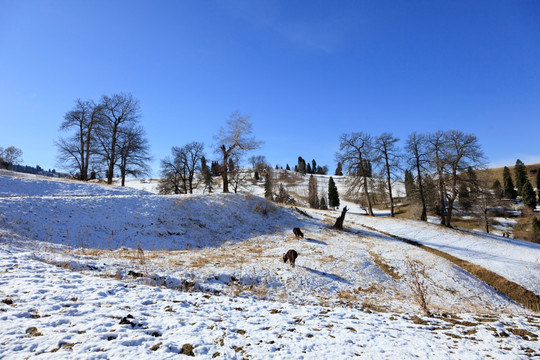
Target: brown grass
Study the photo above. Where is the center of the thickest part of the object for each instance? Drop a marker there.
(514, 291)
(388, 269)
(497, 173)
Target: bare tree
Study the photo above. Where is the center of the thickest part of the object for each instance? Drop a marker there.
(417, 158)
(173, 174)
(438, 148)
(234, 139)
(464, 151)
(10, 156)
(356, 154)
(178, 173)
(133, 150)
(77, 150)
(388, 153)
(119, 112)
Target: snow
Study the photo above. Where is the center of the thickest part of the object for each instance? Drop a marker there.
(210, 274)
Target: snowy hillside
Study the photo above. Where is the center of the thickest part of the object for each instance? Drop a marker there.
(209, 280)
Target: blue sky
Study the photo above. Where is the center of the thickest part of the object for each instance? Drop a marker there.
(306, 71)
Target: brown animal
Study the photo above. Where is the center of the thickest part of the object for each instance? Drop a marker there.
(298, 233)
(291, 255)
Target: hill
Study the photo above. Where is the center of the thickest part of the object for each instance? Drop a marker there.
(209, 274)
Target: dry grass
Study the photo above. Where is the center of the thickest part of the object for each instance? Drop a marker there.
(514, 291)
(388, 269)
(497, 173)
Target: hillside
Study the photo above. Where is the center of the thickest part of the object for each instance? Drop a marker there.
(210, 273)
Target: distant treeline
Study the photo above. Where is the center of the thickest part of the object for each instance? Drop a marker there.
(37, 170)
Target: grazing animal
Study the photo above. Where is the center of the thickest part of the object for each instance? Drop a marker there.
(291, 255)
(298, 233)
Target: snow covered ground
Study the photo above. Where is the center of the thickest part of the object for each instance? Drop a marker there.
(209, 280)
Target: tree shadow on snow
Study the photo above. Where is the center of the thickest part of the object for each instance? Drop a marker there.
(316, 241)
(327, 275)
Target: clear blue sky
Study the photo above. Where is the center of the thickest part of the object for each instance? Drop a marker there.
(306, 71)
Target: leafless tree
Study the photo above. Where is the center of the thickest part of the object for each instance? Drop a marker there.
(356, 152)
(78, 149)
(178, 172)
(234, 139)
(173, 175)
(133, 150)
(438, 148)
(388, 153)
(418, 158)
(10, 156)
(119, 112)
(464, 151)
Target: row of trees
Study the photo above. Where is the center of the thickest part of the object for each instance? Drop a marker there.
(232, 142)
(104, 136)
(443, 155)
(309, 168)
(523, 186)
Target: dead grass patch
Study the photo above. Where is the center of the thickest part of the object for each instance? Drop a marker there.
(509, 288)
(388, 269)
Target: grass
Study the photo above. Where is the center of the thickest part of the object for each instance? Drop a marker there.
(514, 291)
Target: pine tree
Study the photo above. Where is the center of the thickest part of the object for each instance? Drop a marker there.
(528, 195)
(509, 191)
(410, 187)
(339, 169)
(313, 196)
(497, 190)
(308, 169)
(538, 182)
(301, 165)
(520, 171)
(322, 204)
(333, 195)
(464, 197)
(268, 186)
(207, 176)
(288, 168)
(536, 228)
(313, 166)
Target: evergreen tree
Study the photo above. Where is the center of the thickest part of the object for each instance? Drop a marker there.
(308, 169)
(521, 175)
(313, 166)
(473, 182)
(410, 187)
(207, 176)
(497, 190)
(509, 191)
(464, 197)
(339, 169)
(288, 168)
(268, 186)
(536, 228)
(322, 204)
(301, 165)
(333, 196)
(538, 182)
(313, 196)
(528, 195)
(295, 168)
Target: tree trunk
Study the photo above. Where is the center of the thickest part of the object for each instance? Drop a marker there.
(224, 172)
(366, 193)
(423, 216)
(389, 180)
(339, 221)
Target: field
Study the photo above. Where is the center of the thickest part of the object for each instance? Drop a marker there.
(94, 271)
